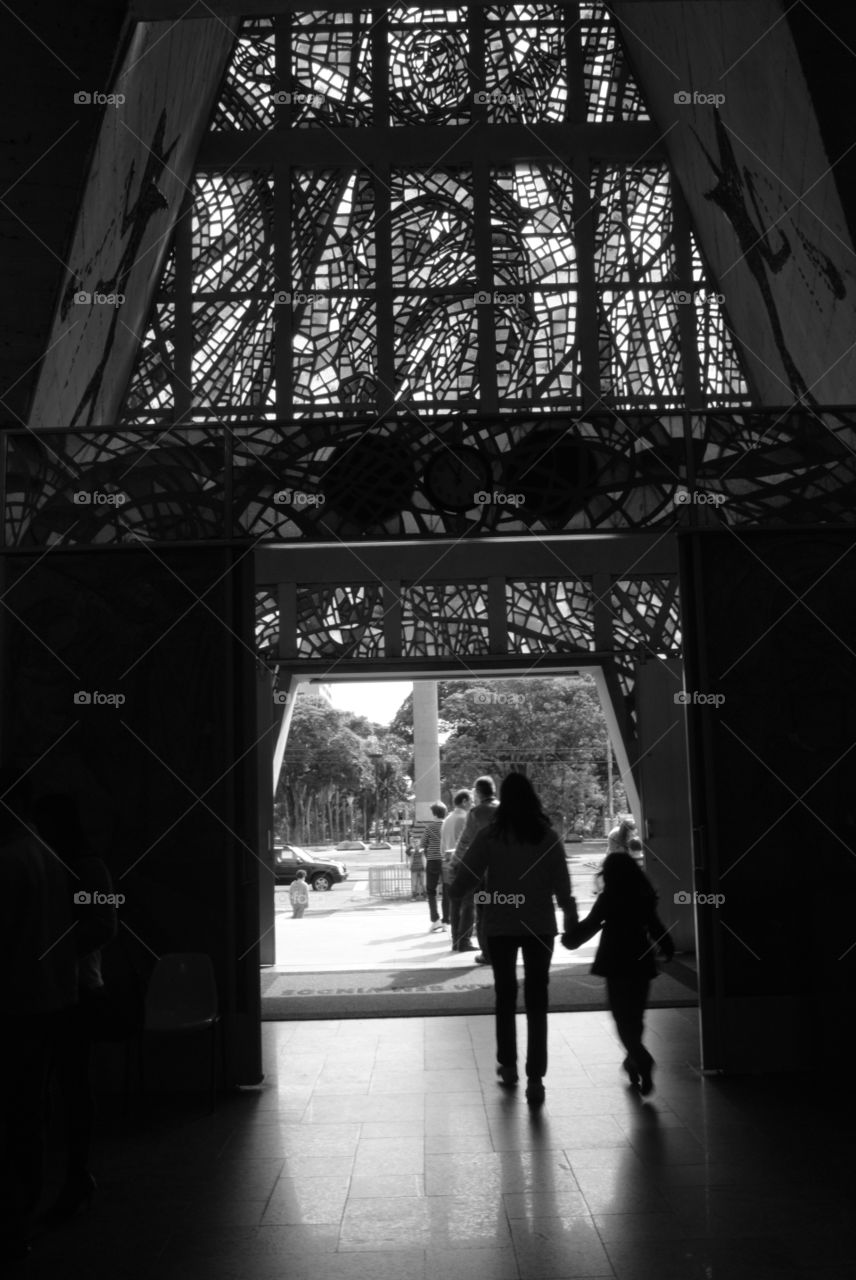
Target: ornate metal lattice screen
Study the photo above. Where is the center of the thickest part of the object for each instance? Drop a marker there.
(390, 216)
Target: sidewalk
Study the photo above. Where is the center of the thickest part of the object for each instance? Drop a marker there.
(367, 933)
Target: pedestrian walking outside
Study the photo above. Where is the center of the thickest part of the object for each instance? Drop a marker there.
(480, 814)
(431, 846)
(299, 894)
(450, 834)
(520, 861)
(626, 911)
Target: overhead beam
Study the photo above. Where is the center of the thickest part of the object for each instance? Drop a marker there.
(143, 161)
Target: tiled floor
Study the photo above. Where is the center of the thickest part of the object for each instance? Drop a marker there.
(384, 1150)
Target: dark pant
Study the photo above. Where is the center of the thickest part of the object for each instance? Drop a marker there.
(627, 999)
(462, 918)
(537, 955)
(434, 881)
(481, 921)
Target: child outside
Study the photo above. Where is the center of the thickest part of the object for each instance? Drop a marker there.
(626, 911)
(299, 894)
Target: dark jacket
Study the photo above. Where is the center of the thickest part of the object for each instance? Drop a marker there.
(632, 934)
(520, 883)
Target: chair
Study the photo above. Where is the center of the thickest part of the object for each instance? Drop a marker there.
(182, 998)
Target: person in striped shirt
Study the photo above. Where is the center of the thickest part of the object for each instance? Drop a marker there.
(432, 848)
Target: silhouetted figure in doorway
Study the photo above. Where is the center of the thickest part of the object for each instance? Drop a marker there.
(521, 860)
(626, 911)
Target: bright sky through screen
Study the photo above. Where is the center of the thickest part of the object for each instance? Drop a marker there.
(379, 702)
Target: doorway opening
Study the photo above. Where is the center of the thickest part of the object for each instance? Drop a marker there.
(346, 814)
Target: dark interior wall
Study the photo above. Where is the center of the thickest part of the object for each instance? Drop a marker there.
(166, 798)
(770, 627)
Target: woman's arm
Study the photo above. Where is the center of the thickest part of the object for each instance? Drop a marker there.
(586, 929)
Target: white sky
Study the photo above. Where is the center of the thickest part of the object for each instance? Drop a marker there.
(379, 702)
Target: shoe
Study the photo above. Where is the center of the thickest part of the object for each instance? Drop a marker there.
(535, 1091)
(632, 1074)
(466, 946)
(454, 946)
(480, 959)
(646, 1084)
(436, 926)
(78, 1193)
(508, 1076)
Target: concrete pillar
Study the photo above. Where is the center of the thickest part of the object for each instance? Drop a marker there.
(426, 748)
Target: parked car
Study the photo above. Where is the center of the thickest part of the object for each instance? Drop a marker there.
(321, 874)
(351, 844)
(380, 844)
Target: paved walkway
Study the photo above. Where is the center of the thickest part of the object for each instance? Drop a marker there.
(345, 929)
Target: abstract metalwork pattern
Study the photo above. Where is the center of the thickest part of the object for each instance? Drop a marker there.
(526, 78)
(611, 92)
(447, 619)
(267, 623)
(432, 229)
(634, 225)
(99, 488)
(429, 79)
(152, 389)
(640, 353)
(645, 624)
(554, 615)
(340, 622)
(247, 97)
(331, 67)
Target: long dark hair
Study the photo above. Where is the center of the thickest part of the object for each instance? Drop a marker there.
(520, 815)
(624, 878)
